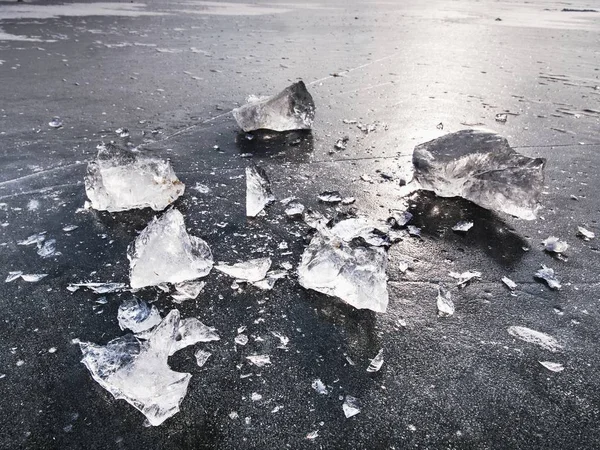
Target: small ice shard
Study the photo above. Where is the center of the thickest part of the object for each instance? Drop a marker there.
(138, 371)
(376, 362)
(98, 288)
(330, 197)
(270, 279)
(284, 340)
(250, 271)
(291, 109)
(68, 228)
(463, 226)
(315, 219)
(445, 305)
(187, 290)
(403, 265)
(553, 244)
(465, 277)
(256, 397)
(122, 132)
(12, 276)
(319, 386)
(33, 277)
(586, 235)
(351, 271)
(137, 315)
(413, 231)
(121, 179)
(190, 332)
(259, 360)
(165, 253)
(36, 239)
(552, 366)
(399, 219)
(258, 191)
(312, 435)
(348, 200)
(535, 337)
(201, 357)
(294, 209)
(366, 178)
(56, 122)
(47, 249)
(547, 274)
(509, 283)
(481, 167)
(501, 117)
(341, 143)
(241, 339)
(350, 406)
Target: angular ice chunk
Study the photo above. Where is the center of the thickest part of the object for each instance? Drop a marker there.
(481, 167)
(12, 276)
(445, 305)
(463, 226)
(319, 386)
(201, 357)
(165, 253)
(138, 371)
(585, 234)
(47, 249)
(270, 279)
(374, 233)
(376, 362)
(137, 315)
(509, 283)
(350, 406)
(465, 277)
(190, 332)
(258, 191)
(56, 122)
(330, 197)
(33, 277)
(259, 360)
(552, 366)
(291, 109)
(353, 272)
(283, 340)
(547, 274)
(535, 337)
(120, 180)
(98, 288)
(294, 209)
(252, 270)
(553, 244)
(399, 219)
(187, 290)
(241, 339)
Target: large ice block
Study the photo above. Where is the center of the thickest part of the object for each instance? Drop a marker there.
(121, 179)
(481, 167)
(291, 109)
(165, 253)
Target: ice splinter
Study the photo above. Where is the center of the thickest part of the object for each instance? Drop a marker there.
(258, 191)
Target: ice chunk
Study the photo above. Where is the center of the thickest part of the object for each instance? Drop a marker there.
(190, 332)
(465, 277)
(376, 362)
(320, 387)
(33, 277)
(270, 279)
(252, 270)
(535, 337)
(501, 117)
(552, 366)
(241, 339)
(48, 249)
(256, 397)
(481, 167)
(373, 233)
(137, 315)
(509, 283)
(98, 288)
(351, 271)
(291, 109)
(547, 274)
(165, 253)
(201, 357)
(312, 435)
(350, 406)
(341, 143)
(294, 209)
(259, 360)
(258, 191)
(413, 230)
(399, 219)
(553, 244)
(462, 226)
(445, 305)
(56, 122)
(69, 228)
(37, 239)
(330, 197)
(12, 276)
(187, 290)
(586, 235)
(348, 200)
(121, 179)
(283, 340)
(122, 132)
(138, 371)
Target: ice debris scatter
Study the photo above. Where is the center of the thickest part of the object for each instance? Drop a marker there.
(547, 274)
(535, 337)
(258, 191)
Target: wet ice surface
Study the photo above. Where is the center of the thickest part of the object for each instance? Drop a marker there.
(258, 191)
(121, 179)
(547, 274)
(138, 371)
(291, 109)
(535, 337)
(483, 168)
(165, 253)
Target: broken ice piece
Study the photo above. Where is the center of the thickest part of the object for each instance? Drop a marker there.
(547, 274)
(585, 234)
(413, 230)
(481, 167)
(403, 265)
(535, 337)
(465, 277)
(12, 276)
(501, 117)
(165, 253)
(97, 288)
(241, 339)
(352, 272)
(376, 362)
(553, 244)
(270, 279)
(312, 435)
(445, 305)
(122, 132)
(291, 109)
(190, 332)
(399, 219)
(201, 357)
(509, 283)
(350, 406)
(33, 277)
(348, 200)
(121, 179)
(374, 233)
(552, 366)
(259, 360)
(258, 191)
(68, 228)
(48, 249)
(462, 226)
(138, 371)
(330, 197)
(252, 270)
(320, 387)
(56, 122)
(294, 209)
(341, 143)
(187, 290)
(284, 340)
(37, 239)
(137, 315)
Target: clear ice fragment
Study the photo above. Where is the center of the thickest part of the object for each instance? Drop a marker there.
(36, 239)
(121, 179)
(56, 122)
(585, 234)
(399, 219)
(165, 253)
(445, 305)
(535, 337)
(374, 233)
(250, 271)
(138, 371)
(553, 244)
(283, 340)
(465, 277)
(270, 279)
(258, 191)
(320, 387)
(547, 274)
(192, 331)
(241, 339)
(481, 167)
(462, 226)
(259, 360)
(187, 290)
(12, 276)
(48, 249)
(330, 197)
(137, 315)
(33, 277)
(350, 406)
(98, 288)
(376, 362)
(294, 209)
(552, 366)
(291, 109)
(201, 357)
(68, 228)
(509, 283)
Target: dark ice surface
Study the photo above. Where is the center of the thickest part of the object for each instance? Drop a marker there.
(171, 72)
